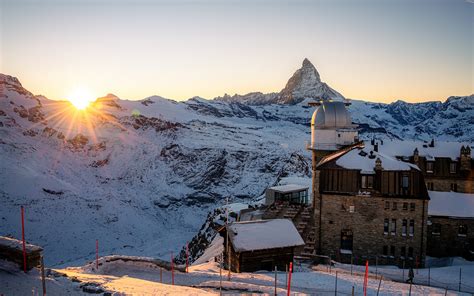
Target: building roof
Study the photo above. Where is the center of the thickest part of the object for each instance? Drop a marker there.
(395, 148)
(264, 234)
(358, 157)
(451, 204)
(331, 114)
(288, 188)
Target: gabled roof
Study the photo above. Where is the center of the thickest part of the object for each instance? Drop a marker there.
(359, 157)
(263, 235)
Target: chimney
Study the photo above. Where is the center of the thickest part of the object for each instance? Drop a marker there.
(376, 147)
(465, 158)
(416, 157)
(432, 143)
(378, 164)
(372, 142)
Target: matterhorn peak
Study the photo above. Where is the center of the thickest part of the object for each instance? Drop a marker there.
(306, 84)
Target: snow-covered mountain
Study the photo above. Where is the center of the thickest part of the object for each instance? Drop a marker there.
(142, 176)
(304, 84)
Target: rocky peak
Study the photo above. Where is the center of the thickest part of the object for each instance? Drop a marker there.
(306, 83)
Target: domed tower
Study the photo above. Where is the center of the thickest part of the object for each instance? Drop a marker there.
(331, 130)
(331, 127)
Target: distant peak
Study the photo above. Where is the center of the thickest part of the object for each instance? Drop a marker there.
(307, 63)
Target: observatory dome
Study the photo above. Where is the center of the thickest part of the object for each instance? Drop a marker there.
(331, 114)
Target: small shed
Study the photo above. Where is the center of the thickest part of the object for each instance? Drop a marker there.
(292, 193)
(261, 244)
(12, 250)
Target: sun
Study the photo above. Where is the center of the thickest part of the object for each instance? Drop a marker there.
(80, 98)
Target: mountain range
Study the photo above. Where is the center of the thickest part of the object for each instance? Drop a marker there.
(141, 176)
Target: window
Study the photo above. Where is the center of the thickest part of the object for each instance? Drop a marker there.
(404, 227)
(462, 230)
(385, 250)
(405, 206)
(412, 227)
(410, 252)
(351, 209)
(436, 229)
(367, 181)
(403, 251)
(394, 206)
(452, 168)
(346, 240)
(429, 167)
(385, 226)
(454, 187)
(412, 206)
(392, 251)
(338, 135)
(429, 185)
(387, 205)
(393, 229)
(405, 181)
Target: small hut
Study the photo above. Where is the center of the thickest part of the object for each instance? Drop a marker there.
(260, 245)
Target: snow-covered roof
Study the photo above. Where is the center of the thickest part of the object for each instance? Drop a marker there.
(405, 148)
(359, 159)
(264, 234)
(288, 188)
(12, 243)
(451, 204)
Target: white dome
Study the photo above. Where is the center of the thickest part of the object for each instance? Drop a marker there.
(331, 114)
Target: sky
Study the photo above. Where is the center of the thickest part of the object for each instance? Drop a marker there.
(381, 50)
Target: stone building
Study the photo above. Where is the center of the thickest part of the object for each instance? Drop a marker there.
(446, 166)
(451, 225)
(367, 205)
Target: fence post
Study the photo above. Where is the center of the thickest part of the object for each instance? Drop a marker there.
(187, 257)
(335, 288)
(376, 266)
(352, 291)
(351, 264)
(43, 280)
(288, 291)
(220, 273)
(172, 269)
(366, 277)
(380, 282)
(330, 261)
(286, 273)
(97, 255)
(429, 276)
(161, 274)
(23, 237)
(446, 291)
(403, 270)
(459, 279)
(409, 292)
(275, 280)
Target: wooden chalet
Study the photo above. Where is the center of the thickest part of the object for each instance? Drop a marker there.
(260, 245)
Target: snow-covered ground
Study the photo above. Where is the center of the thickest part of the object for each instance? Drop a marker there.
(138, 278)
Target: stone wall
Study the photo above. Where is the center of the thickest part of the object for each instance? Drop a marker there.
(464, 186)
(367, 224)
(448, 242)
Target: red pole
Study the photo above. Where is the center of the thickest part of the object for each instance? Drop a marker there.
(366, 277)
(97, 254)
(289, 279)
(187, 251)
(172, 269)
(23, 237)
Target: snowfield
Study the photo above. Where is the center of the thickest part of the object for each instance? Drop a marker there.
(139, 278)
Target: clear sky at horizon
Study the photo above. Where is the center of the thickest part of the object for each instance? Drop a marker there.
(384, 50)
